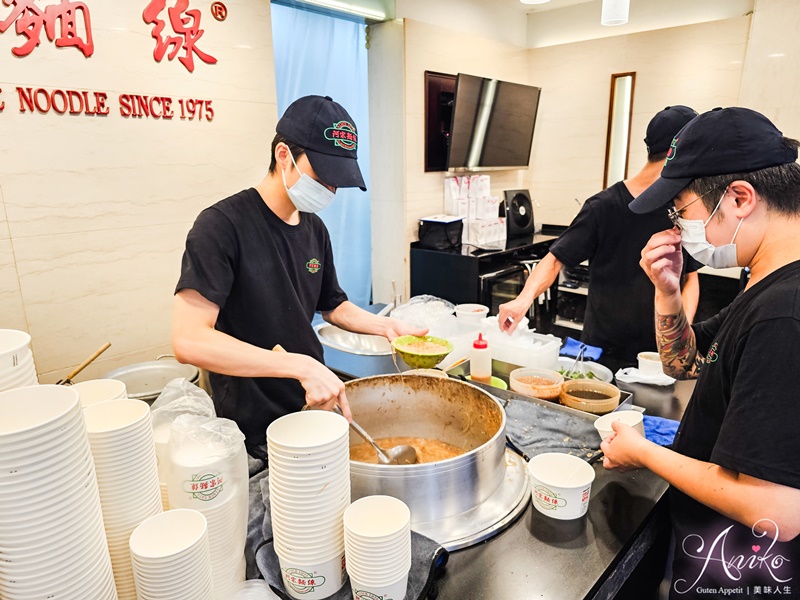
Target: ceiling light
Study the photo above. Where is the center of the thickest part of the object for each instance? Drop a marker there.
(615, 12)
(534, 1)
(347, 7)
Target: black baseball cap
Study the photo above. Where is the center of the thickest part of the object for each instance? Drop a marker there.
(328, 135)
(718, 142)
(665, 125)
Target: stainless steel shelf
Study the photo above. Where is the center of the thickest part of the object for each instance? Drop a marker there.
(570, 324)
(581, 290)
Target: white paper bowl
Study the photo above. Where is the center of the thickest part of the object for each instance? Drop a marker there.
(328, 577)
(650, 364)
(630, 417)
(560, 485)
(306, 430)
(376, 517)
(95, 391)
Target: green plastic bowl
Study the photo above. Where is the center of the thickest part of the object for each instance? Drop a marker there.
(420, 360)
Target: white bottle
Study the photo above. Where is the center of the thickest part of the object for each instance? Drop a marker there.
(480, 361)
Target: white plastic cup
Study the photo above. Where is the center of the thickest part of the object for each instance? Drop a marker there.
(471, 314)
(630, 417)
(313, 581)
(650, 364)
(560, 485)
(367, 591)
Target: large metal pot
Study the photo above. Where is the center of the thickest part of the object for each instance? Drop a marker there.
(428, 407)
(146, 380)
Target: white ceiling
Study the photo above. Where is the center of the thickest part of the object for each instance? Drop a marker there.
(530, 8)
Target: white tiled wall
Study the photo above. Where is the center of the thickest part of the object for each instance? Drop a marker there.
(95, 210)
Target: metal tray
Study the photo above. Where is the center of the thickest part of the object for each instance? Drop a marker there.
(503, 370)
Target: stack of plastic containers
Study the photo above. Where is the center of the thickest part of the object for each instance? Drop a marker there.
(208, 473)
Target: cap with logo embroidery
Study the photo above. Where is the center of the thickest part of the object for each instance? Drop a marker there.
(718, 142)
(665, 125)
(328, 135)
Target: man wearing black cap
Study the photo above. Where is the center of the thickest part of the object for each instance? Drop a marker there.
(619, 309)
(258, 265)
(734, 185)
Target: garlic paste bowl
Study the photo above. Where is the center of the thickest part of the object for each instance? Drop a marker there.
(447, 410)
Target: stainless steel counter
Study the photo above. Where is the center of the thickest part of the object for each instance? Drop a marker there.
(538, 557)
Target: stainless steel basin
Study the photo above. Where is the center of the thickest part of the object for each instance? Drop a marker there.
(354, 343)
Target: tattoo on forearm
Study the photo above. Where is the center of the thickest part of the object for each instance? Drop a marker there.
(677, 346)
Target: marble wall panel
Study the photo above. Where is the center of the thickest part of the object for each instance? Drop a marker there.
(96, 208)
(699, 65)
(770, 83)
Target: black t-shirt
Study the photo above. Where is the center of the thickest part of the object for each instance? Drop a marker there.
(620, 307)
(268, 278)
(744, 415)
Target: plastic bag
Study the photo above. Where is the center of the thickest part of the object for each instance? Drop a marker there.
(424, 311)
(179, 397)
(208, 473)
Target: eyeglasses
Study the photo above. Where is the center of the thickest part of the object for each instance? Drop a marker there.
(674, 213)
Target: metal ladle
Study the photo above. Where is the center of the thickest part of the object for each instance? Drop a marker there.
(396, 455)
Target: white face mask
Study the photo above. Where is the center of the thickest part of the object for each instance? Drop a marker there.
(307, 195)
(693, 239)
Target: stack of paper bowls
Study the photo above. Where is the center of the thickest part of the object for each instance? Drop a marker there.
(121, 438)
(170, 558)
(52, 543)
(96, 391)
(208, 473)
(309, 490)
(16, 360)
(377, 537)
(161, 435)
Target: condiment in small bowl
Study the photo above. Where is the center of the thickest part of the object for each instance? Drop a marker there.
(590, 395)
(539, 383)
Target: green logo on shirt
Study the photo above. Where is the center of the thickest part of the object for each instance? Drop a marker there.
(313, 265)
(712, 355)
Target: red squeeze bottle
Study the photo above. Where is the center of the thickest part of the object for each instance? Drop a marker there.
(480, 361)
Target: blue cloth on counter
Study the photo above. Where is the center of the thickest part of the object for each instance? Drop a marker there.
(659, 430)
(572, 347)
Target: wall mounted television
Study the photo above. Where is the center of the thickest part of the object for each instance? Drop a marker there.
(492, 124)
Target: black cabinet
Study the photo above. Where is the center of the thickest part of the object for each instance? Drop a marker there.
(488, 277)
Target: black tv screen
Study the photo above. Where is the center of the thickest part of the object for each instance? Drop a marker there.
(492, 126)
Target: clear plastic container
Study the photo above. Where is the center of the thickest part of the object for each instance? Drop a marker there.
(539, 383)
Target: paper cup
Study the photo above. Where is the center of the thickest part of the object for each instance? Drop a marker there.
(14, 345)
(650, 364)
(560, 485)
(307, 430)
(96, 391)
(313, 581)
(630, 417)
(366, 591)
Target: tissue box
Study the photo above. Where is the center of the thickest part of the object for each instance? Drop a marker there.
(440, 232)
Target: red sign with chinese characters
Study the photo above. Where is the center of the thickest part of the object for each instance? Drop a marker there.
(31, 19)
(186, 27)
(69, 24)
